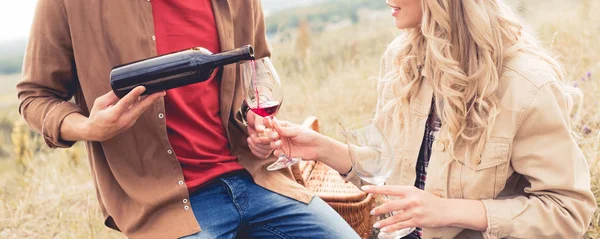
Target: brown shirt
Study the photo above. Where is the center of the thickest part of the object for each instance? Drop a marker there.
(140, 185)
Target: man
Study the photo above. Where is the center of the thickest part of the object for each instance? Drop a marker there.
(174, 163)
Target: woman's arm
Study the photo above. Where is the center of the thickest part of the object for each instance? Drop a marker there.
(335, 155)
(560, 203)
(305, 143)
(469, 214)
(417, 208)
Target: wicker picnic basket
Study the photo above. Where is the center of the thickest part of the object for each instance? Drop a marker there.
(351, 203)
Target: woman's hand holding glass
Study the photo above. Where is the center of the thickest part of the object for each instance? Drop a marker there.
(265, 138)
(302, 142)
(412, 207)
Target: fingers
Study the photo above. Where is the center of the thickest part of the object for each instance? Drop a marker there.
(397, 218)
(259, 151)
(204, 50)
(250, 118)
(105, 100)
(259, 125)
(274, 136)
(260, 144)
(268, 123)
(276, 145)
(393, 190)
(399, 226)
(282, 123)
(278, 152)
(287, 129)
(257, 154)
(260, 140)
(139, 108)
(392, 206)
(128, 100)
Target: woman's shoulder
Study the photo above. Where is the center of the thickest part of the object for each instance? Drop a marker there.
(394, 47)
(529, 77)
(391, 53)
(389, 56)
(524, 75)
(526, 69)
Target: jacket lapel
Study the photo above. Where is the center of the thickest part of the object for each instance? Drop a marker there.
(224, 22)
(421, 102)
(420, 105)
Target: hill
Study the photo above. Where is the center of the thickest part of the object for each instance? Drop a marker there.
(282, 16)
(11, 56)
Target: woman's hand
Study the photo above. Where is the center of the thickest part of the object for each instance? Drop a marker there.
(414, 208)
(297, 141)
(418, 208)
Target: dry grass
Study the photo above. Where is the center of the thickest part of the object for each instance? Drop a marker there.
(49, 194)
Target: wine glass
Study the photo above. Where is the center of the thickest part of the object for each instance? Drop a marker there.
(373, 161)
(263, 95)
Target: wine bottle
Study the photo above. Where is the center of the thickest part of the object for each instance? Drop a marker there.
(173, 70)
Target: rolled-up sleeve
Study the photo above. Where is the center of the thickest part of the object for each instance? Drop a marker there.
(559, 201)
(49, 78)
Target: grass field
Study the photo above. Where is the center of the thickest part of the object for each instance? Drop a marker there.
(49, 193)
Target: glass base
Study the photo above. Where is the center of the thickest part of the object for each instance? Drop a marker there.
(394, 235)
(283, 162)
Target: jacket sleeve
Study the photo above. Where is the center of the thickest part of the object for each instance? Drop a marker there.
(49, 77)
(261, 49)
(559, 201)
(261, 45)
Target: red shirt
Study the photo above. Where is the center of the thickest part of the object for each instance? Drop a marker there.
(193, 112)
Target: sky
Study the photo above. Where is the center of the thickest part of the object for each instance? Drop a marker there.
(15, 18)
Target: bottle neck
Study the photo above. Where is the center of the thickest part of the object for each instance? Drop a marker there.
(229, 57)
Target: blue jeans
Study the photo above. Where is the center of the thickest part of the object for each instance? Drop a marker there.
(235, 207)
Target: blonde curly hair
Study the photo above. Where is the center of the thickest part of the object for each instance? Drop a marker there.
(462, 49)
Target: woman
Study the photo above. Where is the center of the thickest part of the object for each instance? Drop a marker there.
(471, 100)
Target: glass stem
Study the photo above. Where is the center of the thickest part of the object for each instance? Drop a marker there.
(386, 199)
(283, 154)
(376, 232)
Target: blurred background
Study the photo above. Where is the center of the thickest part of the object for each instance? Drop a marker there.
(327, 54)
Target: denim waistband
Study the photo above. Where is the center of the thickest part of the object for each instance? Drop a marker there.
(242, 174)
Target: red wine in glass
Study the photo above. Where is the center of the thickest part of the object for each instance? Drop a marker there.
(263, 94)
(266, 109)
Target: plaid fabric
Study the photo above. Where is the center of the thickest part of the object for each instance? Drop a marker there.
(431, 128)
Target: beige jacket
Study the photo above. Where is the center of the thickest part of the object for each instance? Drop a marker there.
(533, 179)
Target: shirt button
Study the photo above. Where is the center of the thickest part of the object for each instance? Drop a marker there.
(185, 200)
(153, 37)
(161, 115)
(186, 207)
(170, 151)
(180, 182)
(439, 146)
